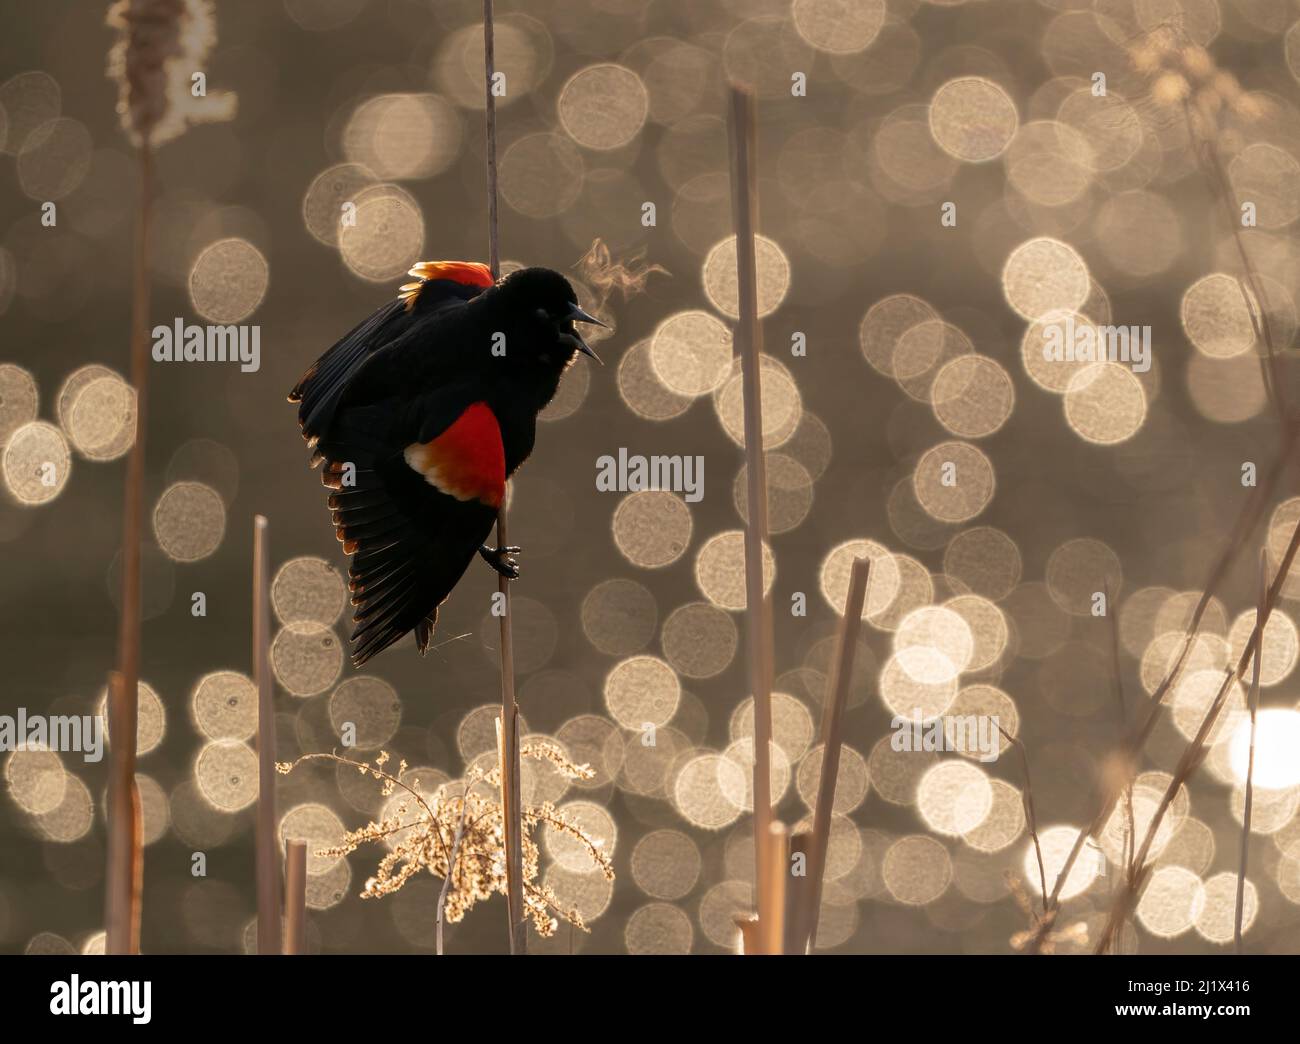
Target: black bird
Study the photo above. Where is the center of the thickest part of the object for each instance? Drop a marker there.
(419, 415)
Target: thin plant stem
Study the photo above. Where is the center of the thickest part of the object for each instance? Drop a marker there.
(758, 615)
(269, 939)
(452, 861)
(802, 933)
(295, 898)
(125, 856)
(1031, 820)
(1130, 836)
(1250, 762)
(375, 771)
(1221, 185)
(1108, 791)
(1192, 755)
(509, 746)
(777, 853)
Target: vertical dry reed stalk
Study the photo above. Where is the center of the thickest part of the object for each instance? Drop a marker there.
(124, 848)
(771, 926)
(122, 884)
(509, 746)
(749, 941)
(758, 615)
(125, 870)
(801, 935)
(295, 898)
(1250, 761)
(268, 842)
(157, 47)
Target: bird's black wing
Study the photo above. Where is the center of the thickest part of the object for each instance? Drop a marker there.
(413, 319)
(413, 522)
(414, 457)
(319, 389)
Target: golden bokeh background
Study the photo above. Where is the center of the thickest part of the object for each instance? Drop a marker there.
(901, 348)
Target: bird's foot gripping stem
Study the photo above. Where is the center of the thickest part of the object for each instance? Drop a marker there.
(501, 559)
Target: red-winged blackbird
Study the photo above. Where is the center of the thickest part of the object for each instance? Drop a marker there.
(420, 414)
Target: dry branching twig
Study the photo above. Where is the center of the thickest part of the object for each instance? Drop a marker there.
(1040, 930)
(1185, 75)
(1031, 821)
(1194, 754)
(460, 837)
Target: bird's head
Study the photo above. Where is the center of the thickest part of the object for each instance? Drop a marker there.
(546, 308)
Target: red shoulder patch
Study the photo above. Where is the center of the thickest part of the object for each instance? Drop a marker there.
(468, 460)
(467, 273)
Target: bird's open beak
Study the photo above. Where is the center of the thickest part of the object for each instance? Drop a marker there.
(577, 315)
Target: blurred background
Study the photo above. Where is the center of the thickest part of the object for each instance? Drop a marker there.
(902, 334)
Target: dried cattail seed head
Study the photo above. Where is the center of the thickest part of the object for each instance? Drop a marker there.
(1227, 86)
(160, 45)
(1170, 89)
(1197, 62)
(1208, 102)
(1145, 57)
(1250, 107)
(1164, 39)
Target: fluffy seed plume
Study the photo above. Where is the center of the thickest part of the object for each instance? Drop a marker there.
(1185, 74)
(161, 44)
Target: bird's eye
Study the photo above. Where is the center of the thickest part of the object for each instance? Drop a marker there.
(542, 313)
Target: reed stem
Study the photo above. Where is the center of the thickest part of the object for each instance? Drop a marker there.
(452, 860)
(267, 841)
(837, 696)
(510, 793)
(1250, 762)
(295, 898)
(777, 852)
(125, 856)
(758, 615)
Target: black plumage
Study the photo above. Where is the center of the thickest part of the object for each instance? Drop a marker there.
(419, 415)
